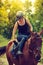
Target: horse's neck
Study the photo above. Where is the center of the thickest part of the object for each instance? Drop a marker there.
(28, 41)
(26, 46)
(27, 55)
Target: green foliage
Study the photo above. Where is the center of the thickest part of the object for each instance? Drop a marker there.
(3, 41)
(8, 15)
(38, 14)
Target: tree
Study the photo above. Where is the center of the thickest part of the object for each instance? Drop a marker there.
(38, 15)
(7, 16)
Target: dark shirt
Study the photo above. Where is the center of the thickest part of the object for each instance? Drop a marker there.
(24, 29)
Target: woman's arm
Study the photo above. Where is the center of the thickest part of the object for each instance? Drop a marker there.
(14, 30)
(29, 24)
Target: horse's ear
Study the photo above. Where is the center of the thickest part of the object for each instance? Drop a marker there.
(32, 33)
(41, 32)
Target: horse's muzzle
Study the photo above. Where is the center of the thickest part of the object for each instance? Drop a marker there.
(37, 58)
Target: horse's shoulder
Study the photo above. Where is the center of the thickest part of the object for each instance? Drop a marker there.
(28, 41)
(10, 44)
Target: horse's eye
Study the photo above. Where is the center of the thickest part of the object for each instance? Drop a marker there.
(38, 36)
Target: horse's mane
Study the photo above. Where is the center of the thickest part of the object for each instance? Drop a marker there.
(33, 41)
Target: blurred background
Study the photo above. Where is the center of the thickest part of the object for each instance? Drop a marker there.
(32, 9)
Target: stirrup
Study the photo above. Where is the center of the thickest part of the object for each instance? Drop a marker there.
(19, 53)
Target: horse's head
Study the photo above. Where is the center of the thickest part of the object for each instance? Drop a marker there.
(35, 46)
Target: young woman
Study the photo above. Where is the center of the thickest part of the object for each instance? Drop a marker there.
(24, 27)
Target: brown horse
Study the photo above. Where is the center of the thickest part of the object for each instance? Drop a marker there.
(31, 51)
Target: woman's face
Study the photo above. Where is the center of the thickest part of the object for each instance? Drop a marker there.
(21, 20)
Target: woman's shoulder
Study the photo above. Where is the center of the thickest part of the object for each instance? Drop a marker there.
(16, 24)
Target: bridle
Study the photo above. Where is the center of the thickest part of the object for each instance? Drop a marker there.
(36, 48)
